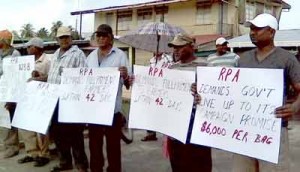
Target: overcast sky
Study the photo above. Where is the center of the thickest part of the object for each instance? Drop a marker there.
(41, 13)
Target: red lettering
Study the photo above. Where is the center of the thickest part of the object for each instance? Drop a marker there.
(236, 76)
(237, 133)
(265, 139)
(229, 71)
(150, 71)
(223, 70)
(160, 73)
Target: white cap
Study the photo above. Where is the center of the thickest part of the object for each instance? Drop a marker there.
(63, 31)
(221, 41)
(37, 42)
(263, 20)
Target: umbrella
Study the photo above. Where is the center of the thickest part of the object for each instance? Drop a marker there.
(153, 37)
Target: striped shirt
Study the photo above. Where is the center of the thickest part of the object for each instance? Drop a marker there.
(228, 59)
(165, 62)
(72, 58)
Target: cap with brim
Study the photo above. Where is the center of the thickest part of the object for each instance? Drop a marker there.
(221, 41)
(181, 40)
(37, 42)
(263, 20)
(63, 31)
(104, 29)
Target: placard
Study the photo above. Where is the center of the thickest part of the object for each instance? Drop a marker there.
(36, 106)
(161, 101)
(16, 71)
(89, 95)
(236, 112)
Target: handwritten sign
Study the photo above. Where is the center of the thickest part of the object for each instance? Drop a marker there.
(89, 95)
(4, 116)
(237, 110)
(161, 101)
(35, 108)
(16, 71)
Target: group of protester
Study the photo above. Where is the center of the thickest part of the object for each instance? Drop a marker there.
(183, 157)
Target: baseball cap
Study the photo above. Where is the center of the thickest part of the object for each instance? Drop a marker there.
(181, 40)
(221, 41)
(63, 31)
(263, 20)
(104, 29)
(37, 42)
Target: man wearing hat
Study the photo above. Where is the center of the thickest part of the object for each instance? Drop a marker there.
(187, 157)
(11, 140)
(266, 55)
(67, 137)
(106, 55)
(222, 57)
(36, 145)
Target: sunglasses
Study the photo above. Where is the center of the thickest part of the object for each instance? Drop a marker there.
(101, 34)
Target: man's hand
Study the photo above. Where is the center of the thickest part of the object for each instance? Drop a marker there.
(197, 97)
(123, 72)
(286, 111)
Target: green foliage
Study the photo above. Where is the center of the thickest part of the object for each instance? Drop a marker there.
(27, 31)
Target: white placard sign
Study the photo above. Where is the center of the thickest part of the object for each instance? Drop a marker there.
(236, 112)
(161, 101)
(4, 116)
(16, 71)
(35, 108)
(89, 95)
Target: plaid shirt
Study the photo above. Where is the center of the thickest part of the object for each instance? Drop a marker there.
(73, 58)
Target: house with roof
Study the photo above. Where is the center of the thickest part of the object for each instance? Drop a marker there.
(207, 20)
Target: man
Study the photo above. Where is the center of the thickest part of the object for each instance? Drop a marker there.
(187, 157)
(36, 145)
(160, 60)
(11, 140)
(106, 55)
(266, 55)
(223, 57)
(67, 137)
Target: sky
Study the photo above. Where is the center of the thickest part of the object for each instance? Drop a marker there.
(42, 13)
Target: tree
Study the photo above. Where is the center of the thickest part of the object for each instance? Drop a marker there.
(75, 34)
(43, 33)
(27, 31)
(55, 26)
(16, 35)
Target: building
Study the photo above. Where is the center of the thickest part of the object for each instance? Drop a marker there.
(206, 19)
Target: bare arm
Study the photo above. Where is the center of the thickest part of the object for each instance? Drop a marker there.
(289, 109)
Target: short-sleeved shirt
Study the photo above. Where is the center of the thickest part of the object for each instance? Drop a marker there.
(228, 59)
(72, 58)
(42, 64)
(278, 59)
(115, 58)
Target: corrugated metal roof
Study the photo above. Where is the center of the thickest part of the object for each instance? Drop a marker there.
(131, 6)
(283, 38)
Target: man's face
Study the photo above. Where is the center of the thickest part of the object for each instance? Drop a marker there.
(261, 36)
(64, 42)
(222, 49)
(182, 52)
(103, 39)
(31, 50)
